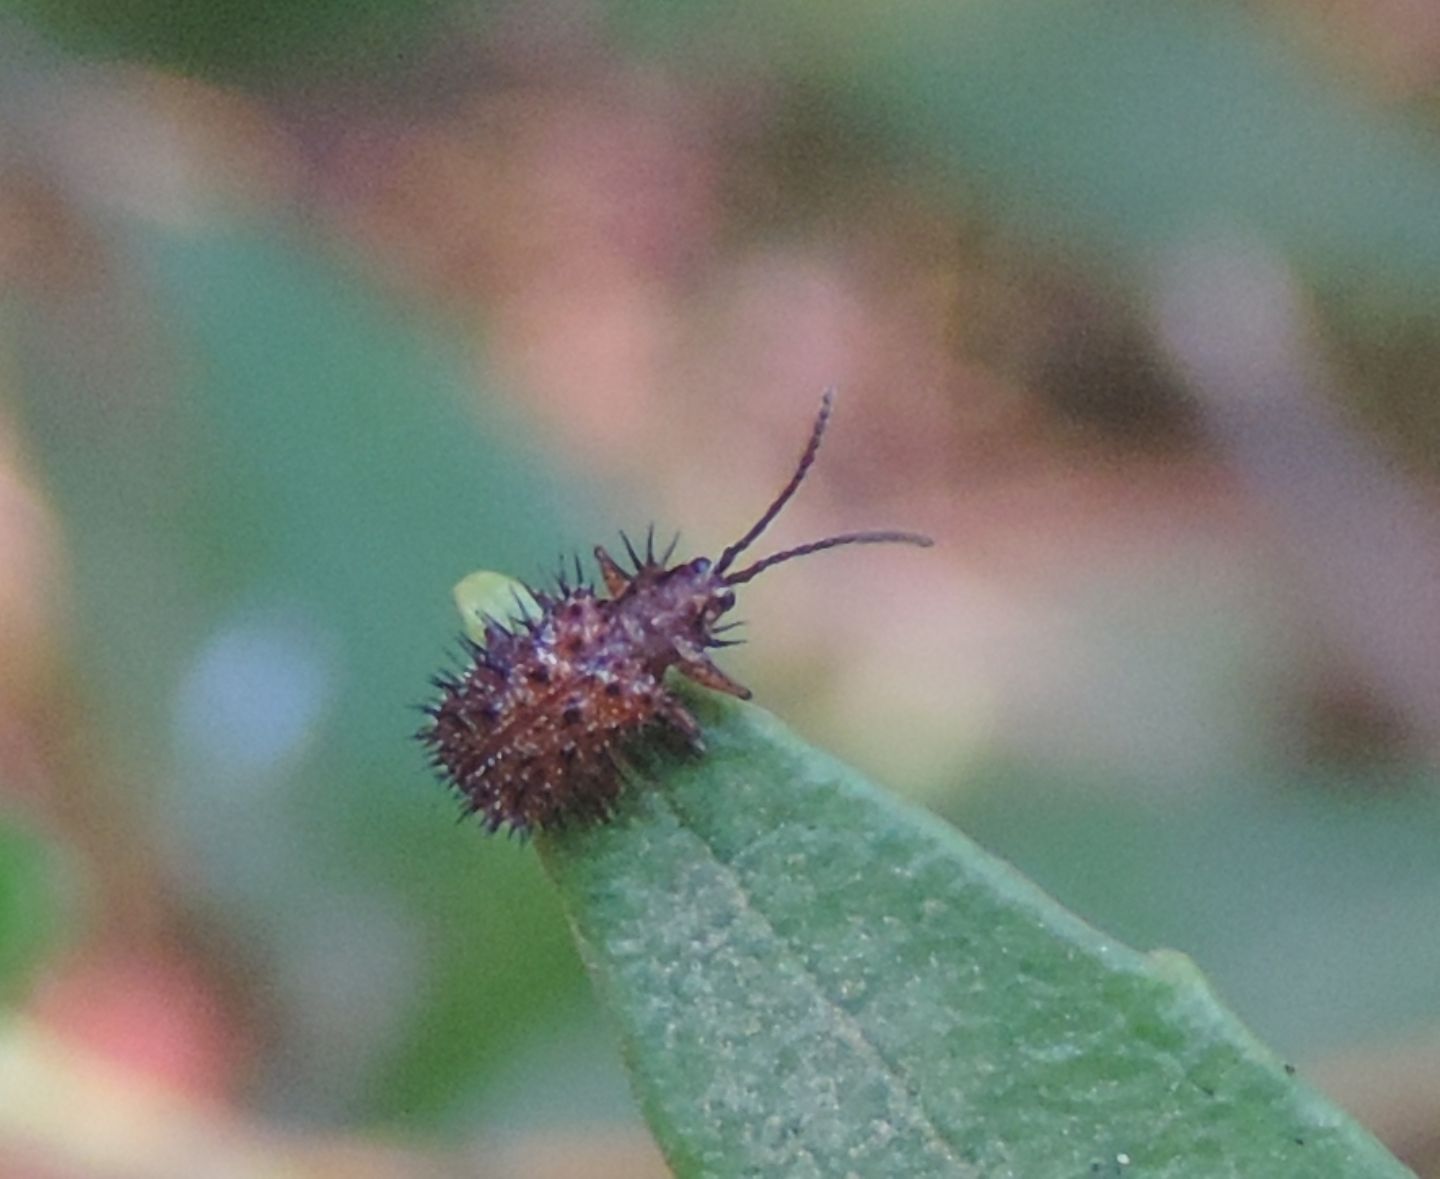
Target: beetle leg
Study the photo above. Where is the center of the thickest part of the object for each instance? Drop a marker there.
(678, 717)
(616, 580)
(705, 673)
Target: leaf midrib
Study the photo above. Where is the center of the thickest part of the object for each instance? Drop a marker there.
(847, 1026)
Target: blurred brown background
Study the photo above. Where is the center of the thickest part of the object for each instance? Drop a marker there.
(308, 310)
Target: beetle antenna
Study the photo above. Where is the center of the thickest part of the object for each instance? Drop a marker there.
(822, 419)
(830, 542)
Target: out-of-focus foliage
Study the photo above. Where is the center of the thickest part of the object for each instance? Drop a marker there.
(1317, 873)
(274, 40)
(265, 537)
(31, 904)
(1110, 131)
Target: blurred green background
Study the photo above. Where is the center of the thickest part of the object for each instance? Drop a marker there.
(308, 310)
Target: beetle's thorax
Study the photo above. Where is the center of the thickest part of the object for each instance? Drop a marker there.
(665, 615)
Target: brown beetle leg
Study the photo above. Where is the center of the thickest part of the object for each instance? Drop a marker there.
(616, 581)
(705, 673)
(679, 718)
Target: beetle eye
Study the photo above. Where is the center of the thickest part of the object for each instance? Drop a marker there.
(700, 565)
(725, 600)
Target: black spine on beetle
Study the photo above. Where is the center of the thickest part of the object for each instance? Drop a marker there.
(530, 733)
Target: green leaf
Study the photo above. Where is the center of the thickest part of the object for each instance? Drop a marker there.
(485, 597)
(30, 906)
(812, 979)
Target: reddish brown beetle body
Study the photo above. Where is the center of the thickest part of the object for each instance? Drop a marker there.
(530, 732)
